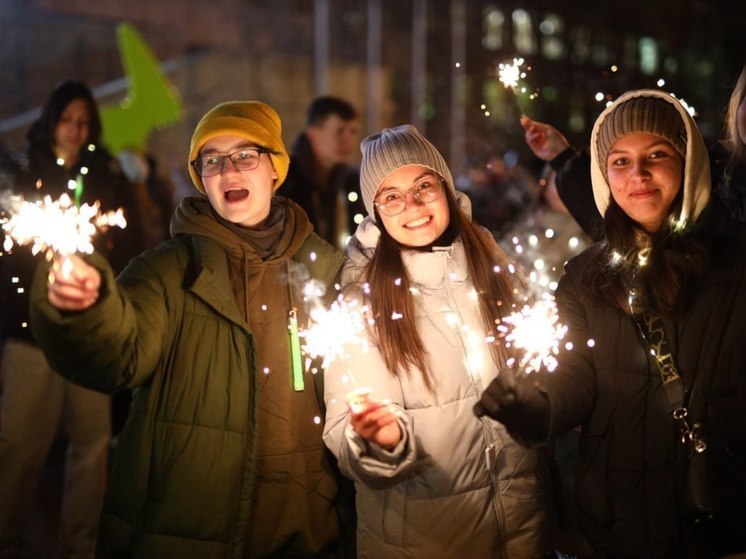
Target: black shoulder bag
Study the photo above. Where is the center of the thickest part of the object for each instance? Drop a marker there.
(698, 486)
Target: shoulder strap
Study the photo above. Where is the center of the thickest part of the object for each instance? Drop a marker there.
(652, 331)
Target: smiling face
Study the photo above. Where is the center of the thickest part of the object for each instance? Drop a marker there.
(419, 224)
(645, 175)
(241, 197)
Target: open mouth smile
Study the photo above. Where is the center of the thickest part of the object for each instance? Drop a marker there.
(419, 222)
(236, 194)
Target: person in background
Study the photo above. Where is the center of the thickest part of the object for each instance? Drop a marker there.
(322, 179)
(63, 157)
(727, 158)
(656, 376)
(221, 455)
(431, 479)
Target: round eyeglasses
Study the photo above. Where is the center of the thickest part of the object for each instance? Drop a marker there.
(393, 202)
(212, 164)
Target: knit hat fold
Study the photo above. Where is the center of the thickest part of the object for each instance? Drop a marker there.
(391, 149)
(255, 121)
(642, 114)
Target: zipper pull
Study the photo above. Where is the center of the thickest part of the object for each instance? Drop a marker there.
(295, 354)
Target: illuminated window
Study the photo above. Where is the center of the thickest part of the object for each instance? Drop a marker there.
(648, 55)
(494, 25)
(523, 37)
(552, 27)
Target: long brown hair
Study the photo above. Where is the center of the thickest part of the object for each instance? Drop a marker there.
(398, 340)
(672, 259)
(732, 140)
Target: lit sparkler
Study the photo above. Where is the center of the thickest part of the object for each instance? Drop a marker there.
(56, 227)
(510, 75)
(536, 332)
(330, 330)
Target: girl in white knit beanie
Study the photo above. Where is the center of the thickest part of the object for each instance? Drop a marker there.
(432, 479)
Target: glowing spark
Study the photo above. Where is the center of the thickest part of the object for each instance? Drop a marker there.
(56, 226)
(511, 73)
(331, 329)
(535, 331)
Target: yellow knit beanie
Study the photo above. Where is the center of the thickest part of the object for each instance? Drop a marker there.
(253, 120)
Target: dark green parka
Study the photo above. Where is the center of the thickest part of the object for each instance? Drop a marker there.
(172, 328)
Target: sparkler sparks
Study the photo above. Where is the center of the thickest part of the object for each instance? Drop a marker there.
(55, 226)
(330, 330)
(510, 75)
(535, 331)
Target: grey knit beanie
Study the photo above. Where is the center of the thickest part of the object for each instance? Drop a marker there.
(392, 148)
(641, 114)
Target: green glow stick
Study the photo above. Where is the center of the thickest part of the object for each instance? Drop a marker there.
(295, 355)
(78, 194)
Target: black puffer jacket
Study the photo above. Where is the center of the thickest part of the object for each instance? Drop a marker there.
(630, 461)
(630, 480)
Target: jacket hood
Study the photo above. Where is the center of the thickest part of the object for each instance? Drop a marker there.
(195, 216)
(697, 185)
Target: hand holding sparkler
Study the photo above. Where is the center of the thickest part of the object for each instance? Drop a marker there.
(60, 229)
(516, 402)
(374, 421)
(73, 284)
(544, 140)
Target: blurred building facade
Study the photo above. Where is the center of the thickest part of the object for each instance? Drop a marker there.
(431, 62)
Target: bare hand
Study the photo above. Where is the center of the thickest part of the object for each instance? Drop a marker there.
(73, 285)
(544, 140)
(376, 422)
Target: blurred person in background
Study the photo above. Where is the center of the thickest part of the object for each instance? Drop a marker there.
(322, 178)
(63, 152)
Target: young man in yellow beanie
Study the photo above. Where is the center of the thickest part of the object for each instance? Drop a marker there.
(222, 453)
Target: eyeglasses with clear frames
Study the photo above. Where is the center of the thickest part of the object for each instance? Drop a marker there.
(211, 164)
(425, 191)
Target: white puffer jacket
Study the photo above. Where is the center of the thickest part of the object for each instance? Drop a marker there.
(435, 494)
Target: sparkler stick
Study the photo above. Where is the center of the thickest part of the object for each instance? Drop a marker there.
(509, 75)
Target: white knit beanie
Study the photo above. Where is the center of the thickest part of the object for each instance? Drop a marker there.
(391, 149)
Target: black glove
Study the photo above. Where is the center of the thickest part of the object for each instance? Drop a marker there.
(518, 403)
